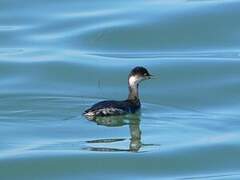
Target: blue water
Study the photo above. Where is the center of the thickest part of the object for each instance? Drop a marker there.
(57, 58)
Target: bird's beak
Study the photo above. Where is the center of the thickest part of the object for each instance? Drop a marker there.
(149, 76)
(152, 77)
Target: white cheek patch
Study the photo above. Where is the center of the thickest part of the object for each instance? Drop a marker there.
(134, 80)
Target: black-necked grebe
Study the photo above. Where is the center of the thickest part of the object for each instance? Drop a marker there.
(131, 105)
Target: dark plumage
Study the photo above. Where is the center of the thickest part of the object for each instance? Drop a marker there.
(131, 105)
(104, 108)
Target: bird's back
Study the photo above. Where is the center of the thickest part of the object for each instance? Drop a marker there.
(107, 108)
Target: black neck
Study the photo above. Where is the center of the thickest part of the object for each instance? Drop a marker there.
(133, 92)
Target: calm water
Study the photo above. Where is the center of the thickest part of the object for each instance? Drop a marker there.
(59, 57)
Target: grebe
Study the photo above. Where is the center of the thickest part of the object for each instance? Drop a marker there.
(131, 105)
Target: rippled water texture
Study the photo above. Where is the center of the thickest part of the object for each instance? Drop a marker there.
(57, 58)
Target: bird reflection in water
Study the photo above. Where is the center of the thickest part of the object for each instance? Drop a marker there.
(133, 121)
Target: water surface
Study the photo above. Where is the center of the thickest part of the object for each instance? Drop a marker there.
(57, 58)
